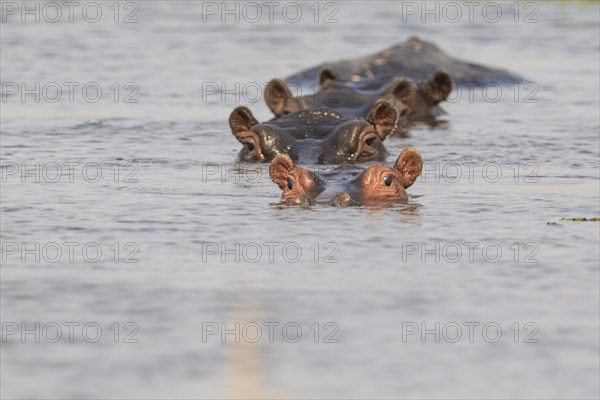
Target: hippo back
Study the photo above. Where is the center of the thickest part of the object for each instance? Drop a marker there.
(416, 59)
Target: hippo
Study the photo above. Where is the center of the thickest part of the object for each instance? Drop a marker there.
(414, 102)
(318, 136)
(375, 185)
(416, 59)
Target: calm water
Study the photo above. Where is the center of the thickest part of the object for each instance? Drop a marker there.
(179, 205)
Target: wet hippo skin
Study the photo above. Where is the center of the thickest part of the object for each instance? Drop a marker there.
(416, 59)
(343, 187)
(315, 136)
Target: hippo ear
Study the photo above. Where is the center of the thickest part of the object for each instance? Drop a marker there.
(402, 89)
(410, 165)
(328, 74)
(280, 169)
(277, 93)
(438, 87)
(384, 117)
(241, 121)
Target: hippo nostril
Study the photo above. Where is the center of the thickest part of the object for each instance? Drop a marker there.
(302, 200)
(343, 200)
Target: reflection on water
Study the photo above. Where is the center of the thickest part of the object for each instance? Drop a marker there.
(188, 237)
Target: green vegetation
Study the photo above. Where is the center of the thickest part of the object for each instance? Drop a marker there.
(580, 219)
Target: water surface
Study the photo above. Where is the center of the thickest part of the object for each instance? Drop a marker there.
(179, 195)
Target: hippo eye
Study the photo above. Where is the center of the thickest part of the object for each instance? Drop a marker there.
(290, 184)
(387, 180)
(404, 112)
(370, 141)
(250, 146)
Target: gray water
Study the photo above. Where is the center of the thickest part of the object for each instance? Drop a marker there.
(180, 205)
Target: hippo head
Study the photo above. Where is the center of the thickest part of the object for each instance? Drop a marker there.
(281, 101)
(337, 94)
(414, 102)
(424, 105)
(375, 185)
(262, 142)
(340, 139)
(360, 140)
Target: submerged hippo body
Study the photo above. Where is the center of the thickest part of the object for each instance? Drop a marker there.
(414, 102)
(315, 136)
(416, 59)
(372, 186)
